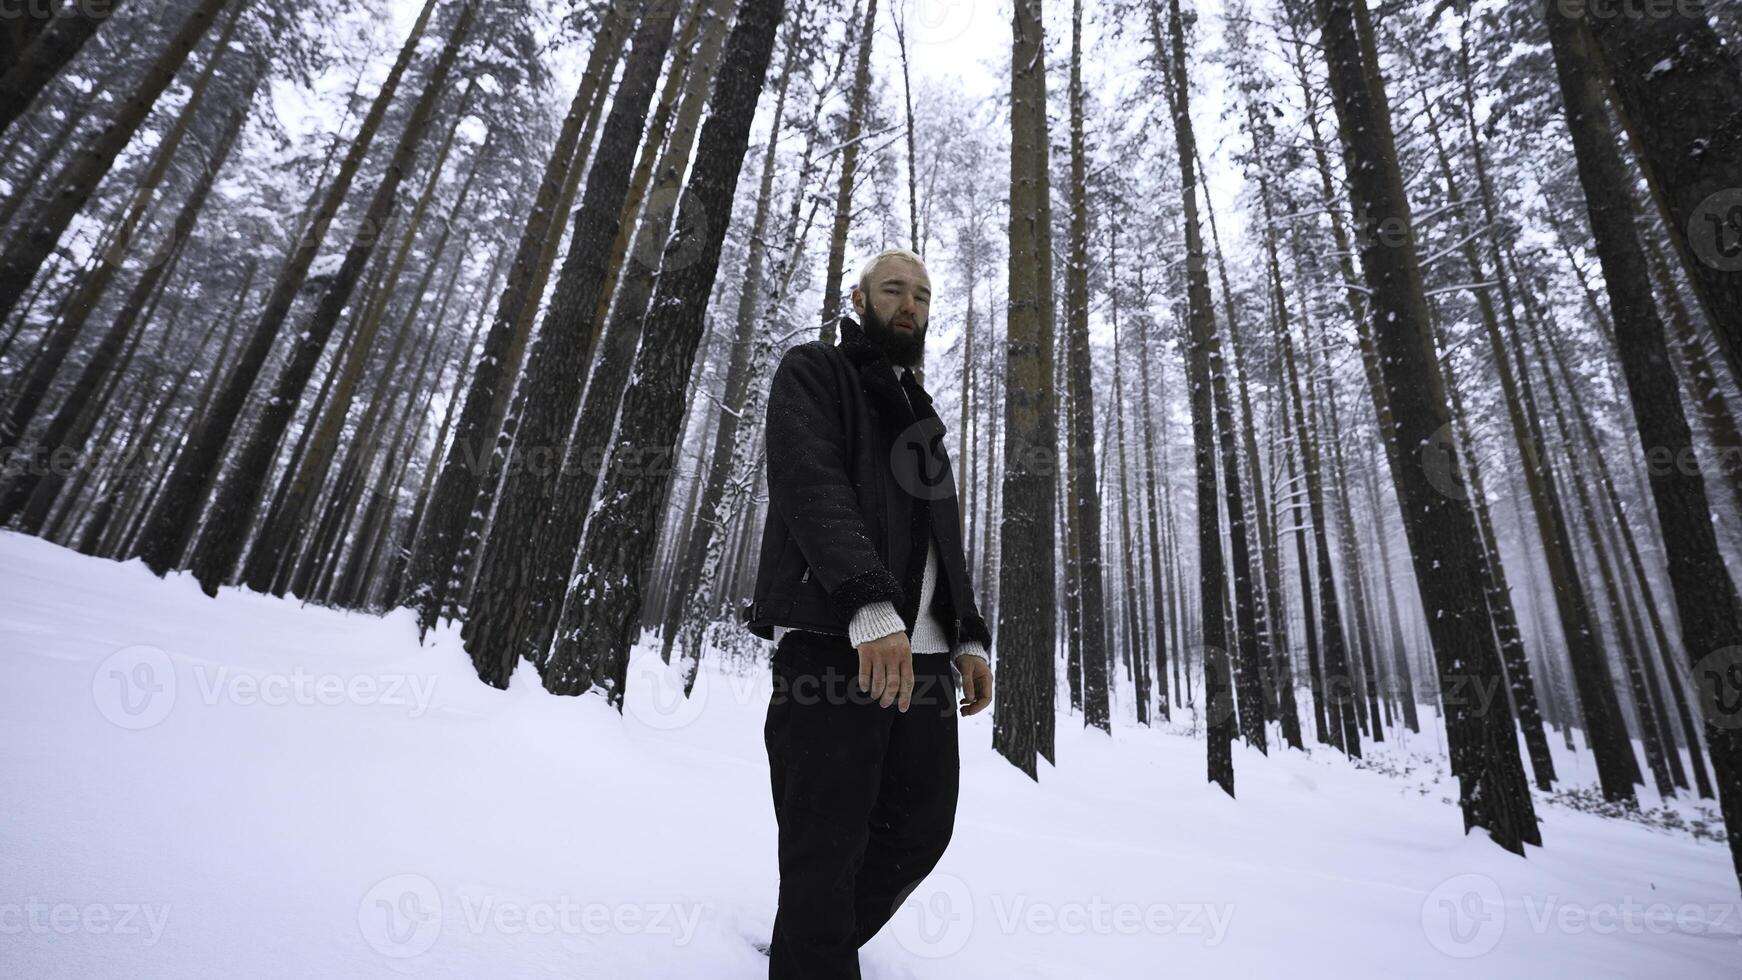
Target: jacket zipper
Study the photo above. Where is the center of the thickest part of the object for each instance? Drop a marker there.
(806, 577)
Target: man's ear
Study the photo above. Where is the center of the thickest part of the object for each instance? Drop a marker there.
(858, 301)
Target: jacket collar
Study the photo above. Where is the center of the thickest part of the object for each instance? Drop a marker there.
(879, 375)
(857, 346)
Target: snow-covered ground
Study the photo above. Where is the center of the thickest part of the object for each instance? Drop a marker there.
(244, 787)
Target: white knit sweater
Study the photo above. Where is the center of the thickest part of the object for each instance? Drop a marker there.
(875, 620)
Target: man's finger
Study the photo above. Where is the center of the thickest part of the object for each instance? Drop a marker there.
(864, 670)
(906, 683)
(879, 676)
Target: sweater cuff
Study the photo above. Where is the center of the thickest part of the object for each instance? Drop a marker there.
(970, 648)
(873, 621)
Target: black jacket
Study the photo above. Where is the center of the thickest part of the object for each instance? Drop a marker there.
(856, 480)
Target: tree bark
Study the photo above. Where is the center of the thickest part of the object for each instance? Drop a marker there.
(1676, 89)
(27, 67)
(432, 572)
(558, 362)
(173, 519)
(238, 496)
(849, 173)
(1441, 527)
(603, 610)
(1705, 596)
(1027, 605)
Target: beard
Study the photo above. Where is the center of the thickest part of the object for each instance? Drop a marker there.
(903, 349)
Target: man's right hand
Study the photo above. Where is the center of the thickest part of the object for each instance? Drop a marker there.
(886, 669)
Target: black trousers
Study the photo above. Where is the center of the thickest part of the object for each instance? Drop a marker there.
(865, 799)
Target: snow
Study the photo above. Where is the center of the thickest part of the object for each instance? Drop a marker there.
(248, 787)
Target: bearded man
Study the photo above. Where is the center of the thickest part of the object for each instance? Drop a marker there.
(863, 585)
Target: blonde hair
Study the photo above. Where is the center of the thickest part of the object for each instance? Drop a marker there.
(871, 263)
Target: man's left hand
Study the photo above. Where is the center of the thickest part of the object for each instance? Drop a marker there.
(976, 683)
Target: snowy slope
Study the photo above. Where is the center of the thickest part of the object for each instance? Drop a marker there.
(248, 788)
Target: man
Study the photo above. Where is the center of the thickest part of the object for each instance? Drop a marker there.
(863, 585)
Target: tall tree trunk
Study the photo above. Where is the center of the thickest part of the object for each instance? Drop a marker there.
(290, 506)
(1128, 569)
(700, 550)
(74, 184)
(600, 619)
(1604, 729)
(1677, 86)
(173, 520)
(395, 587)
(1026, 603)
(1218, 680)
(524, 618)
(70, 428)
(1441, 528)
(897, 17)
(25, 69)
(1154, 473)
(432, 574)
(1512, 650)
(1666, 651)
(238, 496)
(849, 173)
(85, 293)
(1086, 502)
(1708, 398)
(1705, 596)
(558, 362)
(1340, 486)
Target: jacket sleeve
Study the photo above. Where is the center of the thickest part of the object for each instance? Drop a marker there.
(809, 486)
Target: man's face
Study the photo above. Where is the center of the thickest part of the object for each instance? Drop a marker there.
(893, 306)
